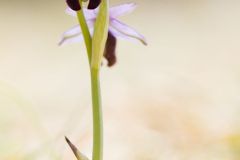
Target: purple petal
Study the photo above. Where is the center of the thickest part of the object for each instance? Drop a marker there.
(122, 9)
(119, 35)
(74, 34)
(122, 30)
(89, 14)
(71, 12)
(70, 40)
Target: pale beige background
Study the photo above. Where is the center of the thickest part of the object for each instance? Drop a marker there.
(176, 99)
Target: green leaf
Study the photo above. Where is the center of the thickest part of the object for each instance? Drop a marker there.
(100, 34)
(76, 152)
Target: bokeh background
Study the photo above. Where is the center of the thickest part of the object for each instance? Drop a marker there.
(176, 99)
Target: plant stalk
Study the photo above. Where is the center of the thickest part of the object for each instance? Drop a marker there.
(97, 116)
(96, 92)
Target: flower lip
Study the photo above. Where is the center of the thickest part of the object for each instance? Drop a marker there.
(74, 4)
(93, 4)
(110, 49)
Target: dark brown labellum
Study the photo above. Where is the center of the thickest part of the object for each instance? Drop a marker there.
(93, 4)
(74, 4)
(110, 49)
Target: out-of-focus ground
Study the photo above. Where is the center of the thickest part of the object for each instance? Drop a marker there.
(176, 99)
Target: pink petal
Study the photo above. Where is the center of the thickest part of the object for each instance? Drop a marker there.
(89, 14)
(124, 31)
(122, 9)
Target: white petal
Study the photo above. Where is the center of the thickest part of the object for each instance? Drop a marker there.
(122, 9)
(89, 14)
(122, 30)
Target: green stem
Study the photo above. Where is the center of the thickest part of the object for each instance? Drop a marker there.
(97, 116)
(96, 93)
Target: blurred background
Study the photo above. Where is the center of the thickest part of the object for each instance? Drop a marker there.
(176, 99)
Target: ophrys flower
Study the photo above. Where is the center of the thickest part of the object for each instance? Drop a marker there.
(117, 29)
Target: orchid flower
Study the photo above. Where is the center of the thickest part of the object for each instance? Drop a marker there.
(117, 29)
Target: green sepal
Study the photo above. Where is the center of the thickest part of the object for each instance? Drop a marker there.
(100, 34)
